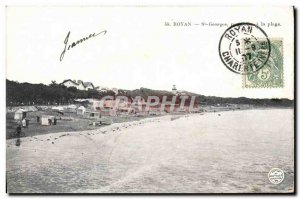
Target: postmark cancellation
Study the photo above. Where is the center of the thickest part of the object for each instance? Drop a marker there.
(271, 74)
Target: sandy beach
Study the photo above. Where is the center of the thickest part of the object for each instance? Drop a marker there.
(222, 152)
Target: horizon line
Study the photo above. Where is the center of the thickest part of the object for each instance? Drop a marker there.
(162, 90)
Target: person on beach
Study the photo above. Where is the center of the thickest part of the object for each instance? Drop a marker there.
(27, 123)
(24, 123)
(19, 130)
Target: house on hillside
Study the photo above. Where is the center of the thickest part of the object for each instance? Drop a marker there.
(101, 89)
(71, 83)
(80, 85)
(88, 85)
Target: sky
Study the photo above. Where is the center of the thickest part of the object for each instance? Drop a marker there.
(138, 50)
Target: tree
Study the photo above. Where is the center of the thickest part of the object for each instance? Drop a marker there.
(53, 83)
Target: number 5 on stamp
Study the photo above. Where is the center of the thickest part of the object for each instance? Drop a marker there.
(271, 75)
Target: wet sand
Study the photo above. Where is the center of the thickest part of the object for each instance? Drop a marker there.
(222, 152)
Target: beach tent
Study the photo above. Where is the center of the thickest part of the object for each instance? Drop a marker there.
(31, 108)
(81, 110)
(71, 108)
(20, 114)
(58, 108)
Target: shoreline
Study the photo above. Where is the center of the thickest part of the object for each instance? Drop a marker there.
(142, 121)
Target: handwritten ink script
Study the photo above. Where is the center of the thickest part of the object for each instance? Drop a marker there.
(70, 46)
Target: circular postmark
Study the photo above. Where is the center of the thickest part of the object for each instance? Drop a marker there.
(276, 176)
(244, 48)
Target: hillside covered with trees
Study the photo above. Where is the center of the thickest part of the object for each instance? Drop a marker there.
(41, 94)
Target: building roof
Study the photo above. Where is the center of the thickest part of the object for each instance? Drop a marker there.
(82, 108)
(58, 108)
(91, 111)
(69, 80)
(21, 110)
(48, 116)
(72, 106)
(84, 84)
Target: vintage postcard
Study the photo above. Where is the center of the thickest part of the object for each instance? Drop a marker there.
(150, 99)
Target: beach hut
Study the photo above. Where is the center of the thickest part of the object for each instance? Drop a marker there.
(81, 110)
(47, 120)
(92, 114)
(20, 114)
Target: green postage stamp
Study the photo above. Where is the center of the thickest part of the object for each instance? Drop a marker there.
(271, 74)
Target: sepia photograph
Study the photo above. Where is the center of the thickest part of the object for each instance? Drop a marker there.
(150, 99)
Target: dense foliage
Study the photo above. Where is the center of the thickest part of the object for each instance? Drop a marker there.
(28, 94)
(40, 94)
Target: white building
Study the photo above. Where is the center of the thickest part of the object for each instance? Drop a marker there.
(174, 90)
(20, 114)
(80, 85)
(81, 110)
(88, 85)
